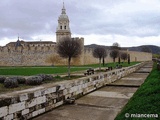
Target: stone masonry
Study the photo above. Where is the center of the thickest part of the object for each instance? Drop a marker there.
(29, 103)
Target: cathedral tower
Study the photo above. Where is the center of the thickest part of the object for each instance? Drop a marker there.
(63, 29)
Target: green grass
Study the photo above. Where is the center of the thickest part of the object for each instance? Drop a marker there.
(146, 100)
(26, 71)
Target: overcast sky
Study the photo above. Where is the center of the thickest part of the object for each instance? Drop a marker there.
(128, 22)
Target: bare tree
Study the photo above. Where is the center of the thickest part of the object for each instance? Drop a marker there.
(116, 46)
(100, 53)
(114, 54)
(114, 51)
(69, 48)
(124, 56)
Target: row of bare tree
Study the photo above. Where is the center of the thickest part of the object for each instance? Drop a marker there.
(70, 48)
(115, 52)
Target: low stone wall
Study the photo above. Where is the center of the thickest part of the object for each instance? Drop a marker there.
(29, 103)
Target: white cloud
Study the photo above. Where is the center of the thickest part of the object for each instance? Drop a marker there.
(127, 22)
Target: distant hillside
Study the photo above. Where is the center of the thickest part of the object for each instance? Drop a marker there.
(153, 48)
(95, 45)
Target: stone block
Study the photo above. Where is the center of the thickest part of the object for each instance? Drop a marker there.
(62, 87)
(35, 113)
(16, 107)
(40, 111)
(23, 97)
(59, 103)
(85, 85)
(37, 93)
(50, 90)
(65, 91)
(78, 92)
(68, 85)
(26, 111)
(48, 108)
(40, 100)
(54, 100)
(9, 117)
(3, 111)
(81, 82)
(31, 103)
(79, 87)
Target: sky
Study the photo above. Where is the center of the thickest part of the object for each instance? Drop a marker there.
(103, 22)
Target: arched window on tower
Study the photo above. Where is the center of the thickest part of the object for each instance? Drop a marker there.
(65, 27)
(61, 27)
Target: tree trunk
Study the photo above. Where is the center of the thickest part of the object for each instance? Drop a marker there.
(119, 60)
(69, 61)
(103, 62)
(128, 59)
(99, 63)
(114, 59)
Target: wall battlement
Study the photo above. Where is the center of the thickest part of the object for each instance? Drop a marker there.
(37, 54)
(20, 49)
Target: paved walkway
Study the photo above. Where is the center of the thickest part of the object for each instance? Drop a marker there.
(103, 104)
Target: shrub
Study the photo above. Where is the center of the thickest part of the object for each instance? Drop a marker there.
(2, 79)
(21, 80)
(34, 80)
(46, 77)
(57, 77)
(11, 82)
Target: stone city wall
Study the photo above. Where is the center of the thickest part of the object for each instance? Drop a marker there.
(134, 56)
(29, 103)
(38, 56)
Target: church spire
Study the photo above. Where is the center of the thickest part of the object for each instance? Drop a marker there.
(63, 9)
(63, 29)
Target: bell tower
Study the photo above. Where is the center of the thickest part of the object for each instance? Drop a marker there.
(63, 29)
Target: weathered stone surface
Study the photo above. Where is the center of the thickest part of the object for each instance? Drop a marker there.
(16, 107)
(40, 100)
(31, 103)
(26, 111)
(40, 111)
(23, 97)
(9, 117)
(3, 111)
(37, 93)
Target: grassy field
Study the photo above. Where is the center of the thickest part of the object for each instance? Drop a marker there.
(46, 70)
(26, 71)
(146, 100)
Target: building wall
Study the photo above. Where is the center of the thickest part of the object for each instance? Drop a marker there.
(38, 56)
(140, 56)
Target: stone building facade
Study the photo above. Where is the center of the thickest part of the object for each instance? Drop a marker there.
(63, 29)
(39, 53)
